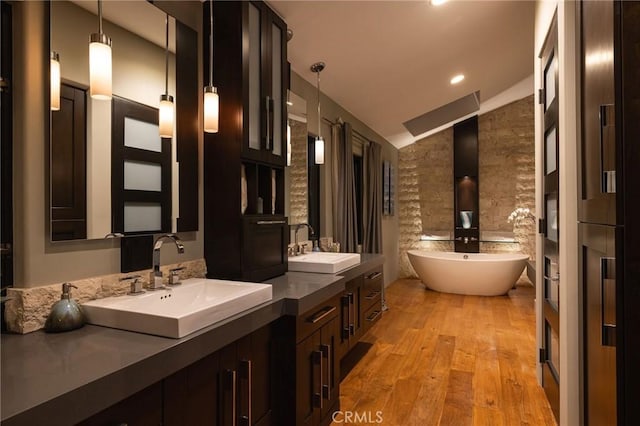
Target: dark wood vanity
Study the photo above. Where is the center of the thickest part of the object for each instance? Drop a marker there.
(279, 364)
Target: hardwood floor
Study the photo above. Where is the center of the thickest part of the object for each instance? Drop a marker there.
(442, 359)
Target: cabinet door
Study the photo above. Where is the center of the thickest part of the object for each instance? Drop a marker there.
(191, 394)
(330, 368)
(598, 276)
(254, 378)
(598, 156)
(309, 380)
(265, 241)
(142, 409)
(354, 290)
(266, 69)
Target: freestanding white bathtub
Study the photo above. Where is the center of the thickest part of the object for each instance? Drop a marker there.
(468, 273)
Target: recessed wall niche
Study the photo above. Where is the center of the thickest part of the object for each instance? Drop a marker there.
(465, 178)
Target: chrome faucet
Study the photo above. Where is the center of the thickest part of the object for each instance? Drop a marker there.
(156, 283)
(296, 246)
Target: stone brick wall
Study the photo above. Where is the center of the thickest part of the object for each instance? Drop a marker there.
(298, 173)
(506, 158)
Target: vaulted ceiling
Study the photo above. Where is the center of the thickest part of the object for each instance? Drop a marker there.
(390, 61)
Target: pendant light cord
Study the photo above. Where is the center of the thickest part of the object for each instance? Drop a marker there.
(99, 16)
(211, 43)
(166, 56)
(319, 116)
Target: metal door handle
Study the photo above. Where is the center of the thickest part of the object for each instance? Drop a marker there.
(319, 316)
(345, 327)
(326, 389)
(317, 396)
(246, 420)
(555, 278)
(607, 272)
(373, 316)
(267, 112)
(271, 222)
(607, 177)
(352, 327)
(374, 275)
(231, 378)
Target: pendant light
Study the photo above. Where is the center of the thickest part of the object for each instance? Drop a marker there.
(211, 100)
(55, 81)
(166, 111)
(100, 62)
(319, 142)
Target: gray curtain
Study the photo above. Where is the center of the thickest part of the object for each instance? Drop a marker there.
(343, 188)
(372, 241)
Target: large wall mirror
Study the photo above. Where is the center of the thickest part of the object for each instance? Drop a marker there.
(297, 173)
(110, 171)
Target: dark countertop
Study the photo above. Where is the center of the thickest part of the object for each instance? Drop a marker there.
(82, 372)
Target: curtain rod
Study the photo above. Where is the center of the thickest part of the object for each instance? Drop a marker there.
(340, 121)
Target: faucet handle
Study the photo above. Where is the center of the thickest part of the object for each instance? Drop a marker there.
(303, 248)
(136, 284)
(174, 276)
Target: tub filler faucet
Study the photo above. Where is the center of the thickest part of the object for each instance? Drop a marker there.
(156, 282)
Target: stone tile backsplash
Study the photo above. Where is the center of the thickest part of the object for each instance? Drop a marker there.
(28, 308)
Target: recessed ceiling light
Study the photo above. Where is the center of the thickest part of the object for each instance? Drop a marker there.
(438, 2)
(457, 79)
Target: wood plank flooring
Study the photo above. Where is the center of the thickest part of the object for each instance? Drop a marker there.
(442, 359)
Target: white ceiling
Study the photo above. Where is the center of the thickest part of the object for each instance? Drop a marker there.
(390, 61)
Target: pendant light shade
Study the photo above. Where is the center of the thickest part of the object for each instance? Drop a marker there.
(211, 109)
(55, 81)
(319, 142)
(319, 145)
(100, 62)
(166, 114)
(211, 99)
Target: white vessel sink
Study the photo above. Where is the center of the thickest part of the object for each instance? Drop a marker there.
(323, 263)
(180, 310)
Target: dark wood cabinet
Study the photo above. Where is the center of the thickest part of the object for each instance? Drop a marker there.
(598, 148)
(265, 241)
(229, 387)
(191, 394)
(598, 276)
(609, 200)
(351, 310)
(308, 357)
(371, 298)
(244, 161)
(141, 409)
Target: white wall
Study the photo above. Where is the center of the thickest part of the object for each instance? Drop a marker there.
(570, 338)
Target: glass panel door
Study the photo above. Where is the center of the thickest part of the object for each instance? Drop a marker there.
(552, 340)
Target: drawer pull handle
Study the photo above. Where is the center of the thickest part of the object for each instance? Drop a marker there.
(319, 316)
(373, 295)
(374, 275)
(373, 316)
(271, 222)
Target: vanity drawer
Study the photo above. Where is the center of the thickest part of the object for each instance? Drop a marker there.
(372, 288)
(371, 316)
(315, 318)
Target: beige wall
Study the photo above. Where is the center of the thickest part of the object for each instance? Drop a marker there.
(506, 164)
(330, 112)
(37, 260)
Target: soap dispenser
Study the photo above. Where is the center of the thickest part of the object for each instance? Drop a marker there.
(66, 314)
